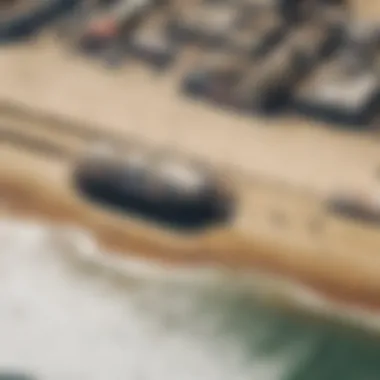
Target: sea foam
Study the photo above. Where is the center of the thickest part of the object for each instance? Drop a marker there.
(70, 311)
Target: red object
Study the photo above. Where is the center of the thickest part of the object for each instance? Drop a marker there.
(103, 28)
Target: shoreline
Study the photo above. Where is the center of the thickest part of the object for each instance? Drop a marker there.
(339, 257)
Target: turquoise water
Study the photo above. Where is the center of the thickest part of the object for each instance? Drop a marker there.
(63, 315)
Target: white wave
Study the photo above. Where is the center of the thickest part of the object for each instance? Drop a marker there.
(68, 311)
(65, 321)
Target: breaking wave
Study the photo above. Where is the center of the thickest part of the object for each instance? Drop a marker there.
(69, 312)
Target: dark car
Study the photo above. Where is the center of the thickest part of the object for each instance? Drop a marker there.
(207, 23)
(151, 42)
(345, 91)
(22, 18)
(214, 77)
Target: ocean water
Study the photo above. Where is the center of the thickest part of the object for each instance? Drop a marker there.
(66, 314)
